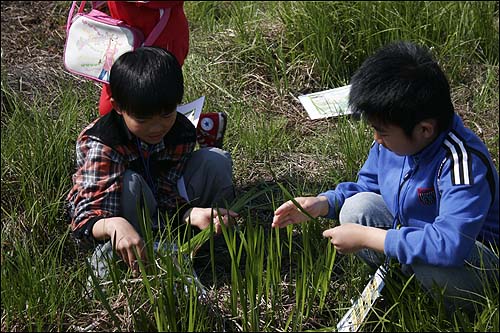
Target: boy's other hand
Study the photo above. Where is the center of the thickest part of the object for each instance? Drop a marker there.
(127, 239)
(352, 237)
(201, 217)
(288, 213)
(346, 238)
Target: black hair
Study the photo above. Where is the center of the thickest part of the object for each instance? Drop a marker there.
(401, 84)
(146, 82)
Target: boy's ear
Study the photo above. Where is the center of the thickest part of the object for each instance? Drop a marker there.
(428, 128)
(115, 106)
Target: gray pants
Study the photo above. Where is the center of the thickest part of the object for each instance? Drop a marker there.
(206, 182)
(459, 284)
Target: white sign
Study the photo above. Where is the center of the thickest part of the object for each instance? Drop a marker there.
(354, 318)
(192, 110)
(328, 103)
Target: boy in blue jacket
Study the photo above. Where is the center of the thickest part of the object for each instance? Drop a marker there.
(427, 194)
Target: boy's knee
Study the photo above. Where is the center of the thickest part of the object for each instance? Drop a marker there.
(136, 192)
(213, 159)
(131, 181)
(368, 209)
(214, 154)
(133, 187)
(357, 207)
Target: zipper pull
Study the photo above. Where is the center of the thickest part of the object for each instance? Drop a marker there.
(408, 174)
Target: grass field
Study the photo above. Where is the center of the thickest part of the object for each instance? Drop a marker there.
(251, 60)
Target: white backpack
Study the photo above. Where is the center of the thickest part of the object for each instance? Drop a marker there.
(95, 40)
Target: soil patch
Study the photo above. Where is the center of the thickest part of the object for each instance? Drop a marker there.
(33, 36)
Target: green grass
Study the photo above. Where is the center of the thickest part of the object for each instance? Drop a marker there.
(251, 60)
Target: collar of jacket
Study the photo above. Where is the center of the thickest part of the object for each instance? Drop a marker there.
(429, 152)
(112, 131)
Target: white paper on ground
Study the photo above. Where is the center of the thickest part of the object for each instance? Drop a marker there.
(328, 103)
(356, 315)
(192, 110)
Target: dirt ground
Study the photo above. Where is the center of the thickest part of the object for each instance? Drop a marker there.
(33, 35)
(31, 44)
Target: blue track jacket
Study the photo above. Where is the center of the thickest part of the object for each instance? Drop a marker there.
(446, 197)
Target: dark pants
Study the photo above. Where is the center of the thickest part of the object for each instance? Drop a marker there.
(206, 182)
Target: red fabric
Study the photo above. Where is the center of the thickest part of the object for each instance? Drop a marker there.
(144, 15)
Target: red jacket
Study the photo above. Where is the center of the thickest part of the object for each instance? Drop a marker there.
(145, 14)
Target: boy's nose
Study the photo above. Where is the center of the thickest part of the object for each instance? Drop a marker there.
(157, 126)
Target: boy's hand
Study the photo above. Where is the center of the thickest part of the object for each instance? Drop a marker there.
(352, 237)
(288, 213)
(200, 217)
(126, 237)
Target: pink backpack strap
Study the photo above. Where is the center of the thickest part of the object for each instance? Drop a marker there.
(71, 11)
(70, 16)
(157, 30)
